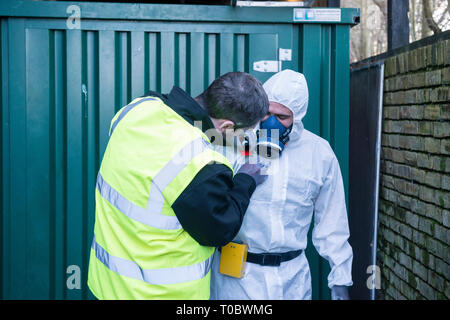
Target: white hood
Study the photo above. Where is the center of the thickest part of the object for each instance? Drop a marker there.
(290, 89)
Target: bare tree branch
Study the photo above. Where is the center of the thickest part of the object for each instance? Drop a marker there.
(444, 13)
(429, 17)
(382, 5)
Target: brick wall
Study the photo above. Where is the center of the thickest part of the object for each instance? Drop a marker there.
(413, 231)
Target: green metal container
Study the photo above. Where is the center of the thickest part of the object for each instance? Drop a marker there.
(63, 78)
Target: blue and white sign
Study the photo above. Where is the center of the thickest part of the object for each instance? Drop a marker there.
(317, 15)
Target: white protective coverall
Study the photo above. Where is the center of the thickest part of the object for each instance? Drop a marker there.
(305, 179)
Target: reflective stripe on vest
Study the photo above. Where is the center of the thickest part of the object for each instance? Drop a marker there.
(125, 111)
(165, 276)
(152, 215)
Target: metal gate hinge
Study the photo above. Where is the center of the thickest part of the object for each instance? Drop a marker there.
(273, 65)
(284, 54)
(266, 66)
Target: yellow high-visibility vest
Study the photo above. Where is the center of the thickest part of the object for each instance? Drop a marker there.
(140, 250)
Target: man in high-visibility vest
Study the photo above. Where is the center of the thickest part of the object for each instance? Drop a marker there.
(164, 198)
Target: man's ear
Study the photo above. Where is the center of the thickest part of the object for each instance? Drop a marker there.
(225, 125)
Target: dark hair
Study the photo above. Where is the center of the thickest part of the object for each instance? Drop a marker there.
(236, 96)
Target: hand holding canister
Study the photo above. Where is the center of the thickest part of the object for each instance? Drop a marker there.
(254, 170)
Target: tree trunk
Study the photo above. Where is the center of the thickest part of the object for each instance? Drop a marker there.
(425, 29)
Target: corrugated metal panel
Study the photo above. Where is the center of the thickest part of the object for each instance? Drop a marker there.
(324, 59)
(61, 88)
(366, 95)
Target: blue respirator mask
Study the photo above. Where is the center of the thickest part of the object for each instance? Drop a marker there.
(269, 144)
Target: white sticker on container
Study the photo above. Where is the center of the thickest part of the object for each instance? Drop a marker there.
(317, 15)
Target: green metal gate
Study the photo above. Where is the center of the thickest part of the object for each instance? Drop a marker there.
(63, 79)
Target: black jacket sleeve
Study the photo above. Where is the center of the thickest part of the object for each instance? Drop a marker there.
(212, 206)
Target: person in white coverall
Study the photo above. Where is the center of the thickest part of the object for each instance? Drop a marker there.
(307, 180)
